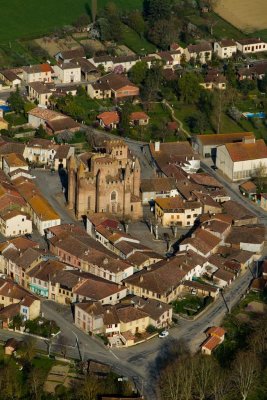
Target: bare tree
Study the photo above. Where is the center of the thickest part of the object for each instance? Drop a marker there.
(203, 368)
(35, 381)
(245, 372)
(220, 384)
(260, 175)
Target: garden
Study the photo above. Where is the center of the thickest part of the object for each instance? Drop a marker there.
(191, 305)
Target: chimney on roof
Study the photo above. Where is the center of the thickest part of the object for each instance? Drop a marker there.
(141, 278)
(157, 146)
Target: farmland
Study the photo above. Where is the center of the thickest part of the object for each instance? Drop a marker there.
(246, 15)
(23, 19)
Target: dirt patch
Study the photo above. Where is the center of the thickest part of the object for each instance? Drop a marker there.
(256, 307)
(123, 50)
(246, 15)
(54, 45)
(244, 318)
(94, 45)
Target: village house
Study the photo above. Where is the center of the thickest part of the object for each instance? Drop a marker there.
(201, 51)
(14, 223)
(214, 80)
(47, 152)
(215, 336)
(54, 122)
(67, 55)
(109, 119)
(242, 160)
(90, 287)
(37, 73)
(89, 316)
(89, 72)
(13, 161)
(68, 72)
(112, 86)
(179, 155)
(40, 92)
(240, 215)
(160, 313)
(42, 213)
(89, 256)
(163, 281)
(225, 48)
(251, 45)
(139, 118)
(172, 211)
(10, 78)
(157, 188)
(202, 242)
(248, 189)
(25, 303)
(206, 145)
(250, 238)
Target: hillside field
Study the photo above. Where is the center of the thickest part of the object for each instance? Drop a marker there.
(31, 18)
(246, 15)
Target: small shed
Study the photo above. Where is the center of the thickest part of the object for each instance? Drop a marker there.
(10, 346)
(248, 189)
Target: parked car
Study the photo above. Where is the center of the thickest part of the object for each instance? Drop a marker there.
(163, 334)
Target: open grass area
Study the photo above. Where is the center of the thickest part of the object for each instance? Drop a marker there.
(15, 119)
(24, 19)
(136, 43)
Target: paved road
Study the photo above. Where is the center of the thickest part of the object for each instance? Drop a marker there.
(139, 361)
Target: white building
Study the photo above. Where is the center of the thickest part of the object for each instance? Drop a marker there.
(225, 48)
(14, 223)
(241, 160)
(37, 73)
(251, 45)
(68, 72)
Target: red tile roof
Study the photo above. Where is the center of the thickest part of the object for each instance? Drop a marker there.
(109, 117)
(247, 151)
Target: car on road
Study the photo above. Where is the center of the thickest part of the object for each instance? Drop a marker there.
(163, 334)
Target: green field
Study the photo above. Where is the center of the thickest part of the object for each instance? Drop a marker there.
(28, 18)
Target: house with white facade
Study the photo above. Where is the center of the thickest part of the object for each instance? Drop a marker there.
(251, 45)
(37, 73)
(68, 72)
(225, 48)
(201, 51)
(242, 160)
(14, 223)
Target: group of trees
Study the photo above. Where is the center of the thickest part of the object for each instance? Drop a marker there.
(235, 371)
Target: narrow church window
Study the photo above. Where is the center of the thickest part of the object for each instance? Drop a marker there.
(113, 196)
(89, 203)
(131, 207)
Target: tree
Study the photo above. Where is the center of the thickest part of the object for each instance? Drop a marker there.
(81, 21)
(163, 32)
(90, 388)
(136, 22)
(263, 84)
(16, 101)
(10, 388)
(152, 83)
(197, 122)
(17, 321)
(35, 382)
(245, 373)
(259, 175)
(203, 368)
(188, 87)
(40, 132)
(158, 9)
(138, 72)
(28, 349)
(125, 116)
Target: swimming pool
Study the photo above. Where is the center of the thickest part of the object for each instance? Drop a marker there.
(254, 115)
(5, 108)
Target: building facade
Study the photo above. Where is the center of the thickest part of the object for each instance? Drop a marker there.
(105, 182)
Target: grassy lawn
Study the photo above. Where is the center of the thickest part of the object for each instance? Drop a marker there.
(22, 19)
(15, 119)
(132, 40)
(222, 28)
(191, 305)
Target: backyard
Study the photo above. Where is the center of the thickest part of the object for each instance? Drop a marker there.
(191, 305)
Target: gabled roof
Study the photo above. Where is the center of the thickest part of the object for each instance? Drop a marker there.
(247, 151)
